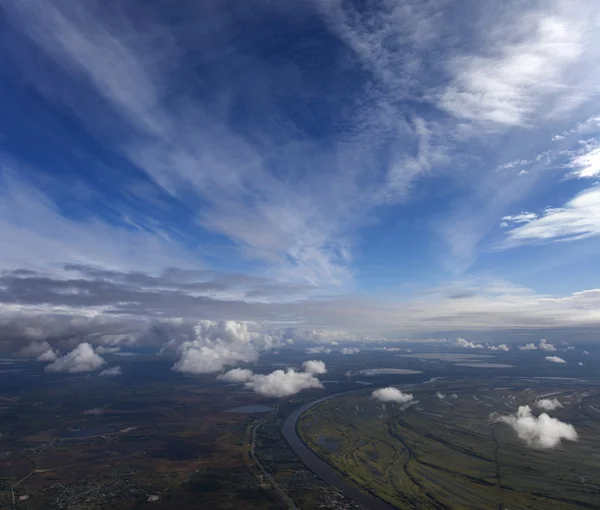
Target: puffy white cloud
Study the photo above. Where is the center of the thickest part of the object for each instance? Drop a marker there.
(34, 349)
(555, 359)
(102, 349)
(545, 346)
(441, 396)
(501, 347)
(283, 383)
(111, 371)
(548, 404)
(391, 394)
(218, 344)
(350, 350)
(465, 344)
(49, 355)
(237, 375)
(81, 359)
(317, 350)
(586, 353)
(315, 367)
(528, 347)
(538, 432)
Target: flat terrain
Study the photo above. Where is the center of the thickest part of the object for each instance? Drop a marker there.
(447, 453)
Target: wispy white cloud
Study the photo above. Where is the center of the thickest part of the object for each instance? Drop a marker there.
(577, 219)
(586, 164)
(509, 85)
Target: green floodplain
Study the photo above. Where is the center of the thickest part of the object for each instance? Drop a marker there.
(449, 453)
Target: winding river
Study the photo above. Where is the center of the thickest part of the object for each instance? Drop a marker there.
(323, 470)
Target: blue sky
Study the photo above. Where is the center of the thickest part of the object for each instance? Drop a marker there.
(389, 169)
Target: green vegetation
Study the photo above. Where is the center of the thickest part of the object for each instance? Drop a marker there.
(446, 453)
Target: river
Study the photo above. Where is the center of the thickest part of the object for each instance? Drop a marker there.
(323, 470)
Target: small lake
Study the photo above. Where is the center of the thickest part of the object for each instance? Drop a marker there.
(389, 371)
(93, 431)
(251, 409)
(484, 365)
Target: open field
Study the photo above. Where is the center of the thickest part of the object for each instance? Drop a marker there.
(446, 453)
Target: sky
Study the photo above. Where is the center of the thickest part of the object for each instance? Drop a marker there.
(346, 169)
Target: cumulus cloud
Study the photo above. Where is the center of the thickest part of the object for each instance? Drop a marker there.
(528, 347)
(283, 383)
(34, 349)
(102, 349)
(548, 404)
(237, 375)
(441, 396)
(111, 371)
(545, 346)
(555, 359)
(538, 432)
(391, 394)
(501, 347)
(49, 355)
(317, 350)
(315, 367)
(461, 342)
(350, 350)
(81, 359)
(216, 345)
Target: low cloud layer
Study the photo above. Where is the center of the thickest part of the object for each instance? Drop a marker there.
(391, 394)
(111, 371)
(555, 359)
(538, 432)
(548, 404)
(465, 344)
(349, 350)
(81, 359)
